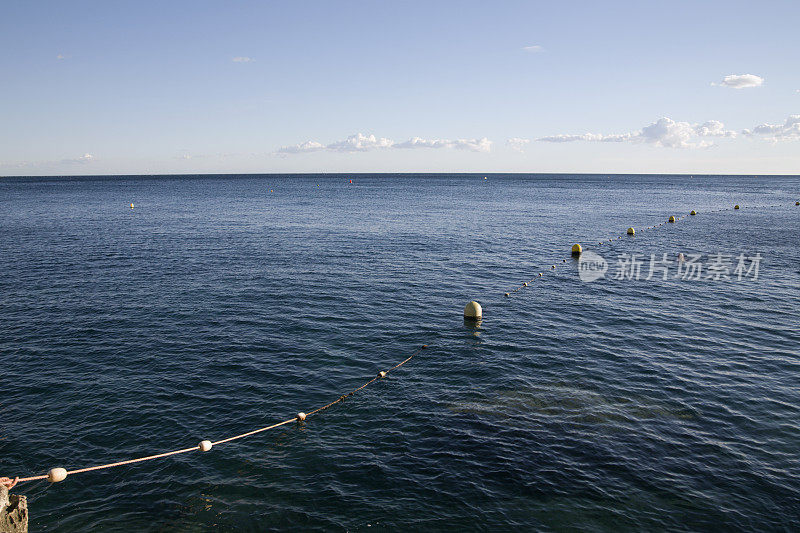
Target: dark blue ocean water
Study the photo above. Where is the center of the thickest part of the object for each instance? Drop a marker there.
(222, 304)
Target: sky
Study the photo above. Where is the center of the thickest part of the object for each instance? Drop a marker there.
(414, 86)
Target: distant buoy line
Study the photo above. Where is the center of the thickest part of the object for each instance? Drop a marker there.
(55, 475)
(577, 249)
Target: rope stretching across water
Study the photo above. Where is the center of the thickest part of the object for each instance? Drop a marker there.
(612, 240)
(552, 269)
(235, 437)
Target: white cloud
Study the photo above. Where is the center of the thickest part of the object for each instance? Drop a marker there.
(741, 81)
(85, 158)
(668, 133)
(473, 145)
(419, 142)
(308, 146)
(517, 144)
(360, 143)
(534, 48)
(789, 130)
(664, 132)
(713, 128)
(365, 143)
(242, 59)
(592, 137)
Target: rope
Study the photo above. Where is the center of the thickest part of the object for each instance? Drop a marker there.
(302, 416)
(218, 442)
(677, 219)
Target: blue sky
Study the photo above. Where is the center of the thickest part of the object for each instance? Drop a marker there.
(185, 87)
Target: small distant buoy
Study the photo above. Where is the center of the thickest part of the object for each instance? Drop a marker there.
(204, 445)
(553, 267)
(797, 203)
(681, 257)
(736, 206)
(473, 310)
(564, 261)
(508, 294)
(631, 231)
(525, 284)
(484, 177)
(271, 190)
(577, 249)
(351, 181)
(540, 274)
(131, 206)
(693, 213)
(671, 219)
(57, 474)
(301, 416)
(381, 374)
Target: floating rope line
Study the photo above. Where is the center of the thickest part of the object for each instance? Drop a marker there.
(670, 220)
(59, 474)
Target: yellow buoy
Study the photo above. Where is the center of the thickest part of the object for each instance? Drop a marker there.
(577, 249)
(631, 231)
(671, 219)
(693, 213)
(131, 206)
(382, 374)
(736, 206)
(525, 284)
(473, 310)
(507, 295)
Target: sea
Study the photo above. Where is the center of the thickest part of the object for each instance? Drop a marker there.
(629, 388)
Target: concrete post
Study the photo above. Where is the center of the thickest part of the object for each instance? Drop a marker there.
(13, 512)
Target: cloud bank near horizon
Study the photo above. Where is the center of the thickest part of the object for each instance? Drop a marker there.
(366, 143)
(80, 160)
(665, 132)
(788, 131)
(668, 133)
